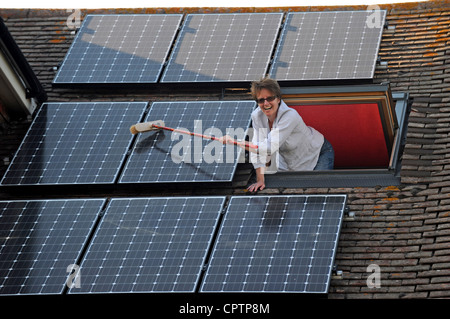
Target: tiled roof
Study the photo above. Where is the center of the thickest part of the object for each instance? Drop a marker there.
(403, 229)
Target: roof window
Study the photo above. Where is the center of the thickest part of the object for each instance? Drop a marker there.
(366, 126)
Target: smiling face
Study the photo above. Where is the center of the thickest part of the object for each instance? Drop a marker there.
(268, 102)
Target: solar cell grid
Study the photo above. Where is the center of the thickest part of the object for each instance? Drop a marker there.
(150, 245)
(223, 47)
(168, 157)
(39, 240)
(276, 244)
(122, 48)
(328, 45)
(75, 143)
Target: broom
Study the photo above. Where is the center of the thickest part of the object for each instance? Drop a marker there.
(160, 125)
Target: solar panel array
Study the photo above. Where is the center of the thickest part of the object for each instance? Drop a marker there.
(276, 244)
(119, 49)
(328, 45)
(39, 240)
(167, 157)
(150, 245)
(75, 143)
(223, 47)
(169, 244)
(227, 47)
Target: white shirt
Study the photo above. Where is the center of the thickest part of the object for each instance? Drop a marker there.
(297, 144)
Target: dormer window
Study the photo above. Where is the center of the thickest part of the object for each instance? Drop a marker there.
(365, 125)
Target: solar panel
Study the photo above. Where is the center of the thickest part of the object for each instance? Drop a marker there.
(75, 143)
(125, 48)
(276, 244)
(167, 157)
(39, 240)
(150, 245)
(223, 47)
(328, 45)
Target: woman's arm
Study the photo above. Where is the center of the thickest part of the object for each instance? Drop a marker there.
(259, 185)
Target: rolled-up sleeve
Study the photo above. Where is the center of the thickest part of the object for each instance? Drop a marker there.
(260, 134)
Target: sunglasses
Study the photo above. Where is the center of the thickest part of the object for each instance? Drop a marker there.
(268, 99)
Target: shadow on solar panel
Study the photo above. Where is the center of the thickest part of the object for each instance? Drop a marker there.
(168, 157)
(119, 49)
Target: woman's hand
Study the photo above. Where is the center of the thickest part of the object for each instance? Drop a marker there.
(226, 139)
(259, 185)
(244, 145)
(256, 186)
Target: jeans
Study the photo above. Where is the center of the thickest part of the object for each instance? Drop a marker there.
(326, 157)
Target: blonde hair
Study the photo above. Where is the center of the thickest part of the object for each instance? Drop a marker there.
(265, 83)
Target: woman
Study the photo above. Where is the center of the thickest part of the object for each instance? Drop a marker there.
(279, 129)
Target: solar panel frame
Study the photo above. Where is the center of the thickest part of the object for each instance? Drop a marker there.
(225, 47)
(157, 157)
(329, 45)
(276, 244)
(40, 239)
(119, 48)
(75, 144)
(150, 245)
